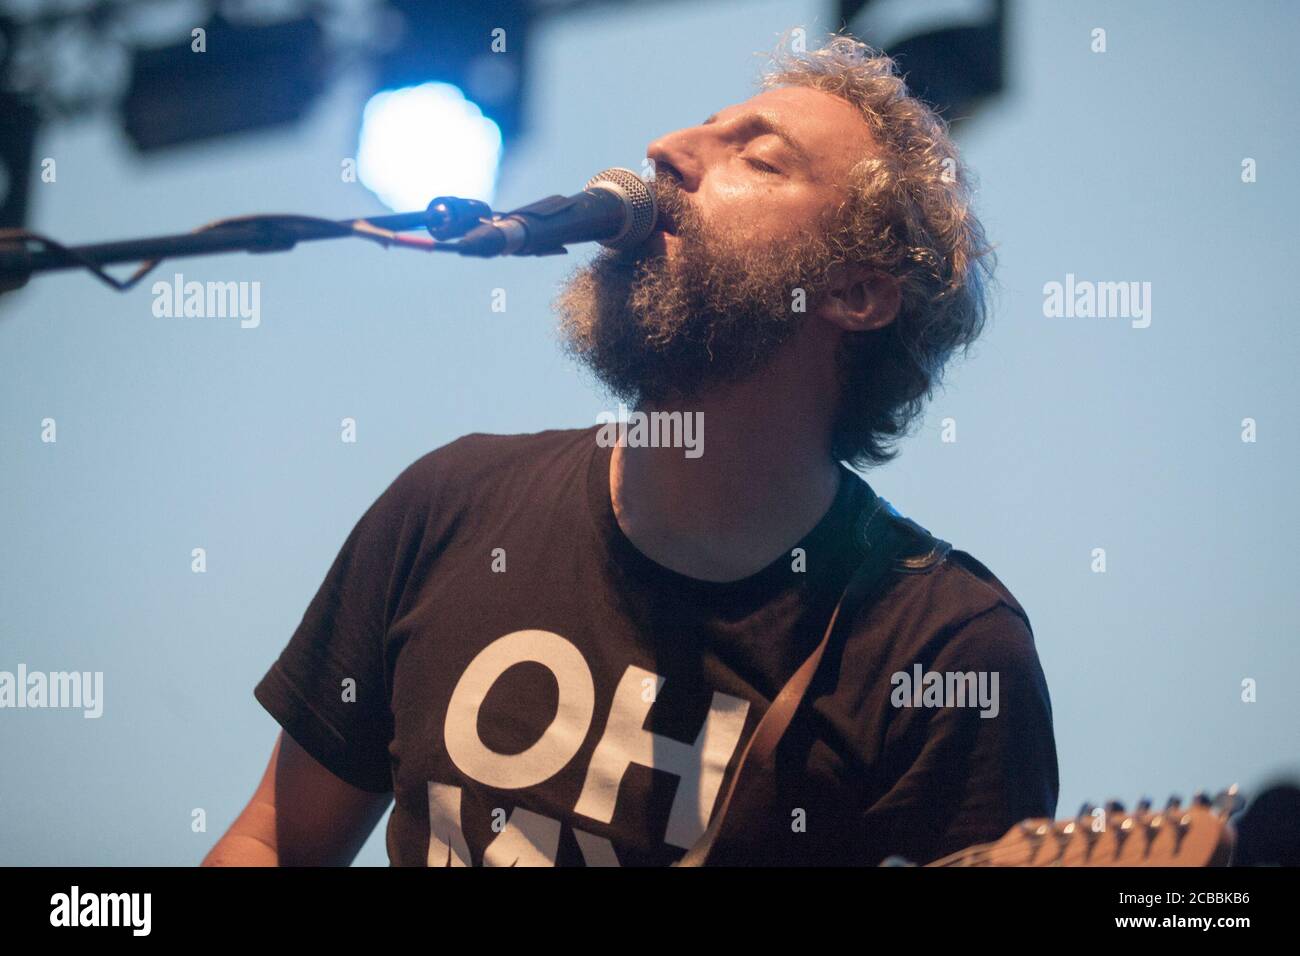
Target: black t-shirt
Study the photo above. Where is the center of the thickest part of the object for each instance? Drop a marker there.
(492, 648)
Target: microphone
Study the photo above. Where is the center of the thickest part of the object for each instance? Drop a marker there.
(617, 209)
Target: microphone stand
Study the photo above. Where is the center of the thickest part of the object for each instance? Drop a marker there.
(445, 218)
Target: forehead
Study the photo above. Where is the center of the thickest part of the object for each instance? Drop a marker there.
(829, 129)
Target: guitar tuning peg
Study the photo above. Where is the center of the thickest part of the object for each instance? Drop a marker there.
(1151, 828)
(1062, 833)
(1228, 801)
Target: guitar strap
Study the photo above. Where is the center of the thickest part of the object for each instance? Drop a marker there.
(890, 542)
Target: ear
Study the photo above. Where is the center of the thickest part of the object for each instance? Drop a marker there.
(860, 299)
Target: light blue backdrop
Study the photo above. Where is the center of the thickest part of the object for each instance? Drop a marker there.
(1072, 434)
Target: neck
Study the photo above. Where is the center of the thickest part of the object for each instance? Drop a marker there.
(765, 478)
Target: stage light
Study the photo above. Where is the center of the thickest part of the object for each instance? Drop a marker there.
(471, 61)
(952, 51)
(247, 77)
(481, 48)
(425, 141)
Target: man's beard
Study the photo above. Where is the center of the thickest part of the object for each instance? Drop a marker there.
(656, 330)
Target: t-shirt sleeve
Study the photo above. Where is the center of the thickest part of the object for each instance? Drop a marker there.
(971, 777)
(328, 689)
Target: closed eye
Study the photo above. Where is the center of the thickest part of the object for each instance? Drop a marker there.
(763, 167)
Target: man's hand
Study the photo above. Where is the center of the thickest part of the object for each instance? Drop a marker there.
(301, 815)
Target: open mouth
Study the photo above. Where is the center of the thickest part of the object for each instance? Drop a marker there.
(664, 221)
(656, 244)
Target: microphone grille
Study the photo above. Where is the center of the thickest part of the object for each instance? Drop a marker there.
(639, 199)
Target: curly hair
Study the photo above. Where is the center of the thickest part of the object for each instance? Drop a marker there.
(909, 215)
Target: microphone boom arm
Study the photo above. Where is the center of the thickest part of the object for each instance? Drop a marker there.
(445, 218)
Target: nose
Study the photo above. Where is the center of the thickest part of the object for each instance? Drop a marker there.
(678, 154)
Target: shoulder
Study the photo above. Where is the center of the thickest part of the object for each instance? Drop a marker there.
(475, 477)
(933, 572)
(485, 457)
(945, 602)
(973, 619)
(977, 588)
(484, 452)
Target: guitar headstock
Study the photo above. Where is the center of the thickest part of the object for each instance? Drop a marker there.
(1198, 834)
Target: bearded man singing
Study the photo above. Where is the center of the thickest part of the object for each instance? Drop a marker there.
(553, 650)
